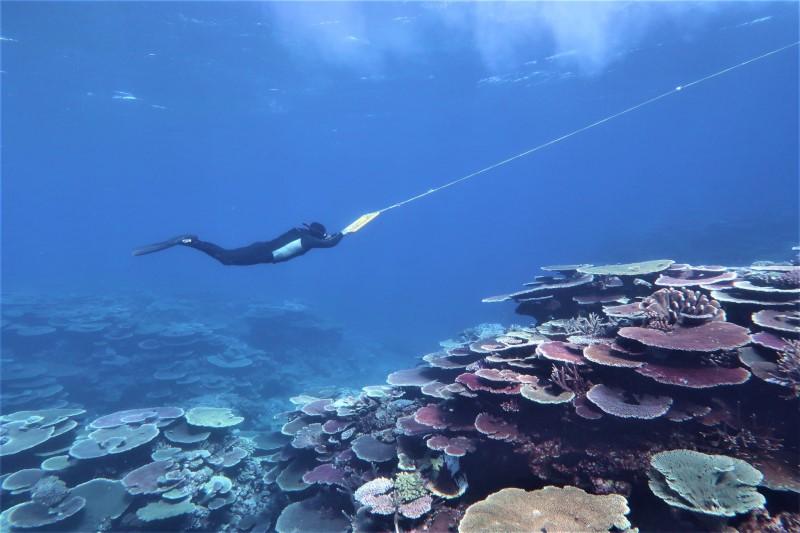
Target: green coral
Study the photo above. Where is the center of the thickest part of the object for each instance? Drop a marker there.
(711, 484)
(409, 486)
(162, 510)
(212, 417)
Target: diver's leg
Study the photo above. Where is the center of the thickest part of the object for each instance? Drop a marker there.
(260, 252)
(247, 255)
(219, 253)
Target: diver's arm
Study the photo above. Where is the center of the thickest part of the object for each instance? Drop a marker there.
(327, 242)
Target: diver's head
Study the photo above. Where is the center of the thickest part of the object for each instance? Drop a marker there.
(317, 230)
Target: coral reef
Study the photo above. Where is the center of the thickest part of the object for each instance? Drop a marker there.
(157, 482)
(655, 395)
(585, 399)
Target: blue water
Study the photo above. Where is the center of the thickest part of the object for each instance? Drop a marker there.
(128, 123)
(277, 114)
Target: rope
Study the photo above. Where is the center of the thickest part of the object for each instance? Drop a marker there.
(520, 155)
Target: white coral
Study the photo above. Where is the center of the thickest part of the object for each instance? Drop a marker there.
(370, 489)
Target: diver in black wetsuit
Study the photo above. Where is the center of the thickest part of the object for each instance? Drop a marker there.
(291, 244)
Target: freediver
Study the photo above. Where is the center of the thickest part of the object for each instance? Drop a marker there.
(291, 244)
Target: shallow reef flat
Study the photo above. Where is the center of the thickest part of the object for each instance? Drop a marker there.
(654, 395)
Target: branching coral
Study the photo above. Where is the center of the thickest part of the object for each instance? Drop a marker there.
(569, 378)
(591, 325)
(743, 439)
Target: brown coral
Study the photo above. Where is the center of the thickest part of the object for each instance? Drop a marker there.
(548, 509)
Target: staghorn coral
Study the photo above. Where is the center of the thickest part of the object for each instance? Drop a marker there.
(570, 378)
(591, 325)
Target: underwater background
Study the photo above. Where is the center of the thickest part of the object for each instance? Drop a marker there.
(127, 123)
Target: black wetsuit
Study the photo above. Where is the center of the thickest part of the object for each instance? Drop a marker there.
(291, 244)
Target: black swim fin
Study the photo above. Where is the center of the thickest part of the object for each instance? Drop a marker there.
(169, 243)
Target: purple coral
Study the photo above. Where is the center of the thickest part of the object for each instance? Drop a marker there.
(432, 416)
(368, 448)
(455, 446)
(316, 407)
(496, 428)
(147, 479)
(620, 403)
(374, 495)
(561, 351)
(326, 474)
(416, 508)
(407, 425)
(709, 337)
(695, 377)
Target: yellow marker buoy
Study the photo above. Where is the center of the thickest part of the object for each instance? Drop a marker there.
(360, 222)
